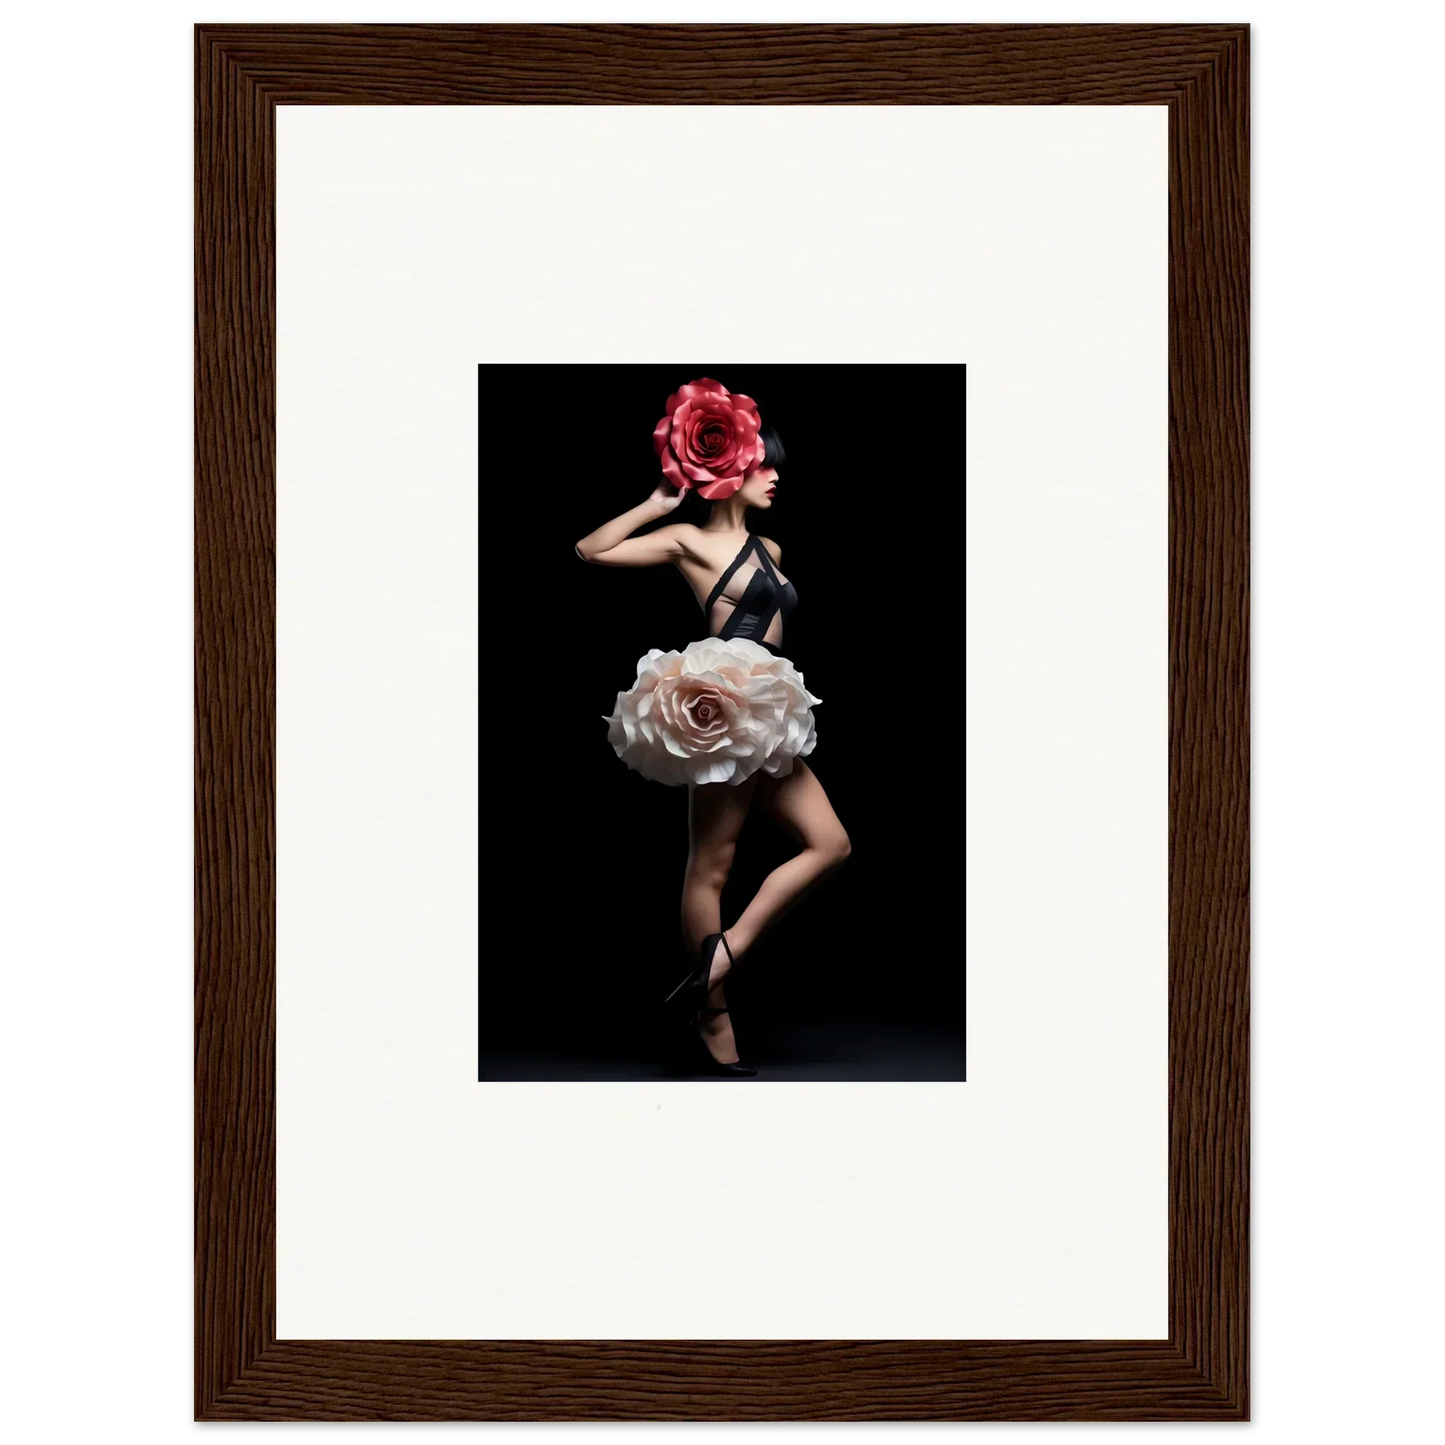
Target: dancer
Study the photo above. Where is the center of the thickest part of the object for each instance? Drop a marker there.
(728, 716)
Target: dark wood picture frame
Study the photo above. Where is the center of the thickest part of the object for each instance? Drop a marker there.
(242, 1371)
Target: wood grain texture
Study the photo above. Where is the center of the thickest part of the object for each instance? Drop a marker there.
(242, 1371)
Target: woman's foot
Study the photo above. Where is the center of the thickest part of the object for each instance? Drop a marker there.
(716, 1029)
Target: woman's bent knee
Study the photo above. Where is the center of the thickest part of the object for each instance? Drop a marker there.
(836, 848)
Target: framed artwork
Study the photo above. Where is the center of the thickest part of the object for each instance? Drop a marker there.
(722, 865)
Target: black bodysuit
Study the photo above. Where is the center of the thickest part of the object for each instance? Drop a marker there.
(766, 597)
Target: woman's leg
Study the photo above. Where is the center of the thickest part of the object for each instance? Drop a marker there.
(715, 814)
(799, 803)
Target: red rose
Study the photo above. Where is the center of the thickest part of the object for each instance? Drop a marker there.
(708, 439)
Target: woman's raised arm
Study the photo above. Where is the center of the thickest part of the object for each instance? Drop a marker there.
(613, 544)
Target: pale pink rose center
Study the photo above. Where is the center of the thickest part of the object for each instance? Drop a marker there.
(705, 709)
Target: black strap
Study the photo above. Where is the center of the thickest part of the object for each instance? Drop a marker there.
(710, 1013)
(725, 578)
(766, 558)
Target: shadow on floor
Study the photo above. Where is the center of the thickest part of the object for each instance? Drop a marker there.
(869, 1050)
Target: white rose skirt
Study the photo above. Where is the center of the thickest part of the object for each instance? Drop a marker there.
(719, 711)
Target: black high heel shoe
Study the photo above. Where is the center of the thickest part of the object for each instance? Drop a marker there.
(707, 1062)
(696, 985)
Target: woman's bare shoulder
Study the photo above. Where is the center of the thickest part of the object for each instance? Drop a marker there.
(774, 551)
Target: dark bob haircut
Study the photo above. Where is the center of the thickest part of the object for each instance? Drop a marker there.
(773, 453)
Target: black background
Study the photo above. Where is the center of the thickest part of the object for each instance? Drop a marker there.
(582, 858)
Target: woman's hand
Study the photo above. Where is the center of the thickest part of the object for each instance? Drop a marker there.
(663, 497)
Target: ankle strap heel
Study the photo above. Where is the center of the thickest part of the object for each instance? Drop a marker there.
(694, 989)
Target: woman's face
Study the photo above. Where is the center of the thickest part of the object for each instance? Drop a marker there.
(759, 486)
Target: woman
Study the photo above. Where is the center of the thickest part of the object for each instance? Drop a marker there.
(729, 716)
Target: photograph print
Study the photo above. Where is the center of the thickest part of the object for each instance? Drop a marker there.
(722, 807)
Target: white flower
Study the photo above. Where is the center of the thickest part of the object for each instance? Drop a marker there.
(716, 712)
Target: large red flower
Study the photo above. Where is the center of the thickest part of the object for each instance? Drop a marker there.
(709, 438)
